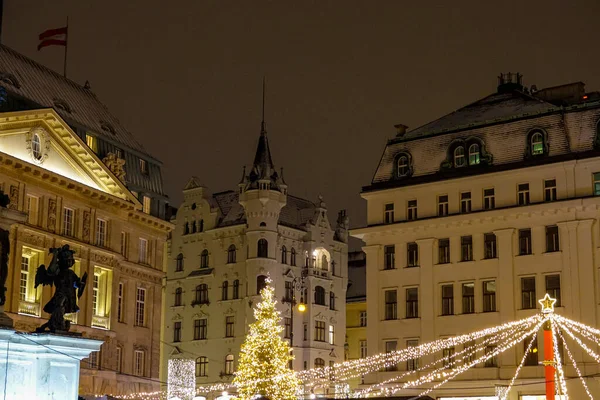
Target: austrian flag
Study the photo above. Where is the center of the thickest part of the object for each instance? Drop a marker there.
(53, 37)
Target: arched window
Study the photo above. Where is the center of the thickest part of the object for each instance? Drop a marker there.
(319, 362)
(201, 226)
(331, 300)
(283, 255)
(179, 263)
(263, 248)
(224, 290)
(194, 227)
(204, 259)
(402, 165)
(293, 257)
(186, 228)
(474, 155)
(201, 294)
(261, 283)
(36, 147)
(459, 156)
(537, 143)
(324, 263)
(236, 289)
(178, 295)
(229, 364)
(231, 254)
(319, 295)
(202, 366)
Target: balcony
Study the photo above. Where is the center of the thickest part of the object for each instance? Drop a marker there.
(29, 308)
(311, 271)
(100, 322)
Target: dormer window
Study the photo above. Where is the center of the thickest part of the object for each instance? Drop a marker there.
(402, 165)
(474, 155)
(459, 157)
(537, 144)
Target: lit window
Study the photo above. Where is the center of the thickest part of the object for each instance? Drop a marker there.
(146, 205)
(143, 251)
(36, 147)
(531, 358)
(403, 166)
(143, 167)
(331, 334)
(537, 144)
(229, 364)
(202, 366)
(459, 156)
(140, 307)
(474, 154)
(24, 280)
(68, 221)
(92, 142)
(101, 292)
(101, 232)
(138, 362)
(550, 190)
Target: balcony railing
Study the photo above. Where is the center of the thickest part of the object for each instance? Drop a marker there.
(101, 322)
(29, 308)
(318, 272)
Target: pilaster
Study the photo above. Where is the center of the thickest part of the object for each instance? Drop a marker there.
(505, 286)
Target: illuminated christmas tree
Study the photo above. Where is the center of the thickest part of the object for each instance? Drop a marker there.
(264, 356)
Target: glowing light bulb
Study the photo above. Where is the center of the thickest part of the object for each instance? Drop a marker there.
(301, 307)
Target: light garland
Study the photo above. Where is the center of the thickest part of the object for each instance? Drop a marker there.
(558, 363)
(514, 378)
(181, 380)
(574, 364)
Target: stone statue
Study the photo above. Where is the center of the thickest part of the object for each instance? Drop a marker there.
(342, 227)
(68, 288)
(116, 165)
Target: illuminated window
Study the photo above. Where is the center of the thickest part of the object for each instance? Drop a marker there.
(33, 207)
(537, 144)
(143, 167)
(229, 364)
(101, 232)
(124, 244)
(101, 292)
(531, 358)
(36, 146)
(331, 334)
(143, 251)
(120, 302)
(68, 221)
(139, 358)
(459, 156)
(92, 142)
(24, 282)
(146, 204)
(140, 307)
(202, 366)
(474, 154)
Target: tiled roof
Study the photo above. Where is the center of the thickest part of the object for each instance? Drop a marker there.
(25, 78)
(296, 213)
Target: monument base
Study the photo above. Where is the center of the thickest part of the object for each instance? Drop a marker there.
(41, 365)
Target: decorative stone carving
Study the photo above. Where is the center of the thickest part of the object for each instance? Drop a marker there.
(116, 165)
(31, 238)
(41, 151)
(343, 226)
(51, 215)
(14, 197)
(86, 225)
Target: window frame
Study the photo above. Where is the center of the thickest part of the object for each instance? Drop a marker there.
(412, 255)
(320, 327)
(523, 196)
(466, 205)
(490, 246)
(389, 257)
(412, 302)
(391, 307)
(525, 242)
(447, 300)
(411, 210)
(528, 292)
(466, 248)
(550, 190)
(552, 239)
(489, 199)
(456, 156)
(444, 250)
(388, 213)
(476, 154)
(468, 299)
(489, 297)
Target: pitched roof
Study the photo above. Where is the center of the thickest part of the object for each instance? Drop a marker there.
(25, 78)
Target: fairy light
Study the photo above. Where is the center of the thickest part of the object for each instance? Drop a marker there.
(579, 342)
(558, 363)
(514, 378)
(181, 381)
(574, 363)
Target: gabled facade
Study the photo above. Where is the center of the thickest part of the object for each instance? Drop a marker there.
(223, 248)
(473, 217)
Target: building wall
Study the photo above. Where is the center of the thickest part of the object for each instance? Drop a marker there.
(356, 333)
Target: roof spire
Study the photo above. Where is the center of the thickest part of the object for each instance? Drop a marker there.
(263, 126)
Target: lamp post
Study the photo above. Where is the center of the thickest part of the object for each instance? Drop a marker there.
(297, 285)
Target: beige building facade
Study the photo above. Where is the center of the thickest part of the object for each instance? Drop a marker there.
(223, 248)
(356, 311)
(474, 217)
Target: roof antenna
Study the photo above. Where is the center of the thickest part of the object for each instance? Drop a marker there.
(263, 128)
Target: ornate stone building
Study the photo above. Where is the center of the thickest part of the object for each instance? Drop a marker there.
(475, 216)
(57, 176)
(223, 248)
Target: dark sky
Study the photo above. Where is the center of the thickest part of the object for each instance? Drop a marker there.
(185, 76)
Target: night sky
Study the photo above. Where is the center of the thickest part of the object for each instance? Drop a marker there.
(185, 76)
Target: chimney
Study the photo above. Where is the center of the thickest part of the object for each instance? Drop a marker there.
(507, 82)
(400, 130)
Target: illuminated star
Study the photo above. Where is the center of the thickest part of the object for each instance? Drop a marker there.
(547, 304)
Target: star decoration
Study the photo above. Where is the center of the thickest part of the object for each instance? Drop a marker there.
(547, 304)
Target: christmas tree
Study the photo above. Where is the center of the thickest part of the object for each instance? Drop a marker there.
(264, 356)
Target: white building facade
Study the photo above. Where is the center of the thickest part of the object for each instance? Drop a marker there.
(475, 216)
(224, 247)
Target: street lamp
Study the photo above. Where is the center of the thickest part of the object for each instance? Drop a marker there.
(297, 285)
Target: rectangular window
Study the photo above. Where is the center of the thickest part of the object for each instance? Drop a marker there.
(468, 298)
(552, 243)
(390, 347)
(466, 248)
(442, 205)
(363, 318)
(287, 325)
(124, 243)
(289, 292)
(331, 334)
(101, 290)
(138, 362)
(120, 302)
(68, 221)
(412, 303)
(33, 207)
(524, 242)
(143, 251)
(448, 299)
(363, 348)
(391, 304)
(92, 142)
(596, 183)
(471, 354)
(465, 202)
(200, 328)
(119, 359)
(389, 257)
(146, 204)
(177, 331)
(320, 331)
(553, 288)
(412, 255)
(448, 357)
(389, 213)
(412, 364)
(489, 296)
(523, 194)
(489, 199)
(528, 299)
(489, 245)
(531, 358)
(411, 210)
(493, 360)
(101, 232)
(229, 326)
(550, 190)
(140, 307)
(23, 283)
(143, 167)
(443, 251)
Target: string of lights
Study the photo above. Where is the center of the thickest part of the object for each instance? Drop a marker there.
(572, 359)
(558, 363)
(514, 378)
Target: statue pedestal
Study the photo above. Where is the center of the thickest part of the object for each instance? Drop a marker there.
(41, 366)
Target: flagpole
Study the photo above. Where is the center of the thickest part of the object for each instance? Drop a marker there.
(66, 48)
